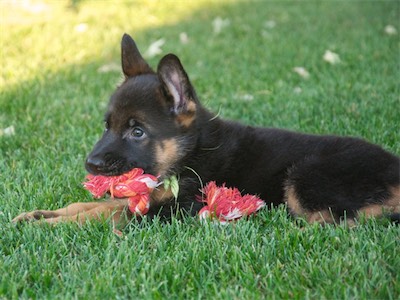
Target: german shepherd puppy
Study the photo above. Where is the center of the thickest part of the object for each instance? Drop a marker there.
(155, 122)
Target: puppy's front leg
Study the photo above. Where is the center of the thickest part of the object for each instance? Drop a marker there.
(80, 212)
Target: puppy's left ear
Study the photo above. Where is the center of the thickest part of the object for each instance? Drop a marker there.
(176, 84)
(132, 61)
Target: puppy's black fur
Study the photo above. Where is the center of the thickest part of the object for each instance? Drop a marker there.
(156, 122)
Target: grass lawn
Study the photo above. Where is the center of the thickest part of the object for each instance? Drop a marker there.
(60, 63)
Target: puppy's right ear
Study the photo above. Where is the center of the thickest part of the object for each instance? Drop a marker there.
(179, 91)
(132, 61)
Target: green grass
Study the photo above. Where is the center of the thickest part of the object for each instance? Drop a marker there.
(54, 96)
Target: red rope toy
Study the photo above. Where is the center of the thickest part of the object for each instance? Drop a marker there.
(135, 185)
(222, 203)
(227, 204)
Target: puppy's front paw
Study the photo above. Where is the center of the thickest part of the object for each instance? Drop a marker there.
(34, 216)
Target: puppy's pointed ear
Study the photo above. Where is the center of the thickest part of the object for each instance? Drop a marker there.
(177, 85)
(132, 61)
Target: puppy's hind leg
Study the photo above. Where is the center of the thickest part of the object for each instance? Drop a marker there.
(298, 209)
(344, 185)
(388, 207)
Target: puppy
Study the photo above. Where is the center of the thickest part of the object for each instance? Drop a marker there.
(156, 122)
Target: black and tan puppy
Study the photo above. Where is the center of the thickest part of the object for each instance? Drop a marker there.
(156, 122)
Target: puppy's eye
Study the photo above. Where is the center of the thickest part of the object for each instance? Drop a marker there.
(106, 125)
(138, 133)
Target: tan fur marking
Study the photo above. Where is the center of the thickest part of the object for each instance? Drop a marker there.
(187, 117)
(351, 223)
(166, 153)
(191, 106)
(394, 199)
(373, 210)
(323, 216)
(293, 202)
(390, 205)
(160, 195)
(185, 120)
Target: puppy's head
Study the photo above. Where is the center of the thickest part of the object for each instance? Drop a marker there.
(151, 118)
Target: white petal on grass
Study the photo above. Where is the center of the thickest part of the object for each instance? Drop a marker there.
(110, 67)
(183, 37)
(9, 131)
(244, 97)
(270, 24)
(154, 48)
(248, 97)
(82, 27)
(219, 24)
(103, 105)
(297, 90)
(302, 72)
(266, 34)
(331, 57)
(390, 30)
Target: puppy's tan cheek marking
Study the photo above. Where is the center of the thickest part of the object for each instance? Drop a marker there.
(166, 155)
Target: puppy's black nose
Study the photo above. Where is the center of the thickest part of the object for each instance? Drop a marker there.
(94, 165)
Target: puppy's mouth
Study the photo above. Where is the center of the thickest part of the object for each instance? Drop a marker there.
(115, 168)
(110, 173)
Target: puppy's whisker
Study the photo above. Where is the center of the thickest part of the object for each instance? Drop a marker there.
(217, 115)
(211, 149)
